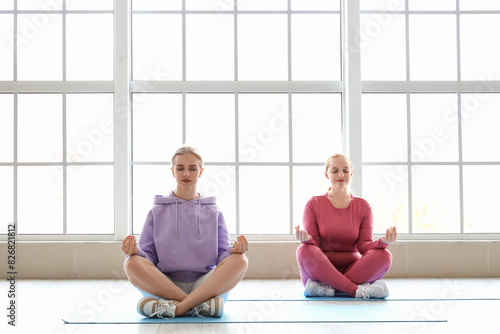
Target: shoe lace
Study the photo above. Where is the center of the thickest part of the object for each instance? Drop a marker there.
(364, 293)
(164, 309)
(327, 290)
(200, 310)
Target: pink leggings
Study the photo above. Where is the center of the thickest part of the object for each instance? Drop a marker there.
(343, 271)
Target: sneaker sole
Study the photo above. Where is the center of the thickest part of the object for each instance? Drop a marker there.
(386, 290)
(142, 302)
(218, 307)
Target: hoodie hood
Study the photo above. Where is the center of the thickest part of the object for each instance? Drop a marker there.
(160, 202)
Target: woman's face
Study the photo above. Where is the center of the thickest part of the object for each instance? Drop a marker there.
(186, 169)
(339, 172)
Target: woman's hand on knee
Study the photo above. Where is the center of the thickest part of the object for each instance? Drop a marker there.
(129, 245)
(301, 235)
(391, 235)
(240, 246)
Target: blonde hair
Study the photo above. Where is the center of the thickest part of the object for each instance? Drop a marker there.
(188, 150)
(337, 155)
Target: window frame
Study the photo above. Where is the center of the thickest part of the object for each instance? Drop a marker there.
(409, 87)
(351, 88)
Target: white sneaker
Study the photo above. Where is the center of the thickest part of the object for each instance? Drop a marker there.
(214, 307)
(376, 290)
(318, 289)
(151, 307)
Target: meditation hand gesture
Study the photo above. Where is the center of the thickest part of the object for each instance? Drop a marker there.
(129, 245)
(240, 246)
(301, 234)
(390, 235)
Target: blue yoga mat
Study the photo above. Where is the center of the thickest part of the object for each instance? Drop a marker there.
(274, 312)
(399, 290)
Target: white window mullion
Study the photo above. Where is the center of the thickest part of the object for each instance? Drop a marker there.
(122, 118)
(351, 69)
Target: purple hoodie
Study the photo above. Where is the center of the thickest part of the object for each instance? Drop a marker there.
(184, 239)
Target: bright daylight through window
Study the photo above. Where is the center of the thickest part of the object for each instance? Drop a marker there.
(90, 114)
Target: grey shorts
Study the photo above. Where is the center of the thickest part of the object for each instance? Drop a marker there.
(187, 287)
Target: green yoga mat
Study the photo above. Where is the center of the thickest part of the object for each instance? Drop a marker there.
(275, 312)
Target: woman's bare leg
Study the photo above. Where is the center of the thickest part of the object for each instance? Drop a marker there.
(144, 275)
(225, 277)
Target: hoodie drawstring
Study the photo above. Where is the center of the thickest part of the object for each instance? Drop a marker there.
(198, 217)
(176, 220)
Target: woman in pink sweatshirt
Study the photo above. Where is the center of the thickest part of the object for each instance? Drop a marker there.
(337, 252)
(184, 263)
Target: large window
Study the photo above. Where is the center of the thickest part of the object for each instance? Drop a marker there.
(95, 96)
(250, 87)
(429, 107)
(57, 120)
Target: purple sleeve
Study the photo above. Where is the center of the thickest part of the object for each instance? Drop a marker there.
(224, 248)
(147, 247)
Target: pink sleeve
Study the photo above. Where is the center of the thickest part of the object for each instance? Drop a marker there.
(311, 224)
(365, 241)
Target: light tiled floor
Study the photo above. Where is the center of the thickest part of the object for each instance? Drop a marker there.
(468, 305)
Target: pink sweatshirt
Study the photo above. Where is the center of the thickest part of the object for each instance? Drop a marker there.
(340, 230)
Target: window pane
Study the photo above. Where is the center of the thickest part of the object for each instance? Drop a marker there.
(259, 4)
(157, 47)
(40, 200)
(6, 47)
(480, 119)
(389, 5)
(433, 47)
(89, 5)
(481, 184)
(6, 197)
(433, 136)
(384, 127)
(148, 181)
(262, 47)
(432, 5)
(7, 127)
(479, 50)
(157, 118)
(317, 126)
(220, 181)
(229, 5)
(156, 4)
(382, 44)
(90, 202)
(271, 214)
(37, 4)
(315, 5)
(386, 189)
(89, 47)
(39, 41)
(89, 127)
(479, 5)
(263, 127)
(210, 125)
(39, 136)
(210, 47)
(307, 182)
(436, 207)
(316, 47)
(7, 5)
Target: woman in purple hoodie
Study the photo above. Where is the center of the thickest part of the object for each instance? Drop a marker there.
(184, 263)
